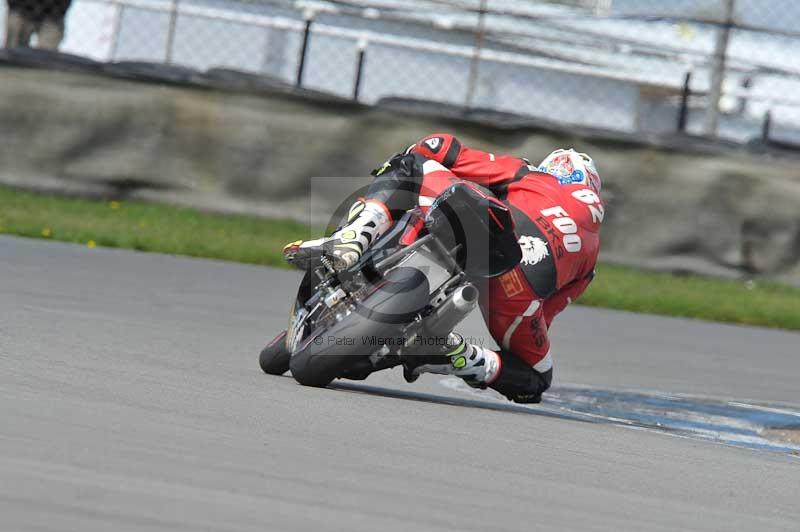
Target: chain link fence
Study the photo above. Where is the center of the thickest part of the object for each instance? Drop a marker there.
(719, 67)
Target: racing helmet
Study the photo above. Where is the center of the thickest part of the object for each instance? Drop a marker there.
(571, 168)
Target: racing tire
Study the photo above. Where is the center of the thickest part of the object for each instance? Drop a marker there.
(274, 358)
(312, 367)
(383, 314)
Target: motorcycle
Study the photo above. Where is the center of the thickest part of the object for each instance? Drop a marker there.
(406, 294)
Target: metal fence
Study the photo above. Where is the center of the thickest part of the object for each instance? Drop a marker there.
(719, 67)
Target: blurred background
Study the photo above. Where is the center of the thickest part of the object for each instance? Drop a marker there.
(714, 67)
(690, 108)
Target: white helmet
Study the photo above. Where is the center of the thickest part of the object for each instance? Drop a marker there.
(571, 168)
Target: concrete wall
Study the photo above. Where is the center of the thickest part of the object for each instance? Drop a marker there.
(680, 207)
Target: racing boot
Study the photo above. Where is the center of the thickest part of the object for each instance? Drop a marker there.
(366, 222)
(478, 366)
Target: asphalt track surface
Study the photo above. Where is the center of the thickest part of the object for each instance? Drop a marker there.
(131, 399)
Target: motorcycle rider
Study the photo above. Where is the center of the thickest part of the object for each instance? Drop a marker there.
(557, 212)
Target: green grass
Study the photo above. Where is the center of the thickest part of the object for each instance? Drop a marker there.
(745, 302)
(169, 229)
(147, 227)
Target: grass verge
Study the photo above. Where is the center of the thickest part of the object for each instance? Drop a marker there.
(147, 227)
(765, 304)
(182, 231)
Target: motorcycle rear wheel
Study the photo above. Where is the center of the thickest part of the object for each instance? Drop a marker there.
(330, 353)
(314, 367)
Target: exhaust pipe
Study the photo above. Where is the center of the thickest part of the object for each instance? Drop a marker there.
(450, 313)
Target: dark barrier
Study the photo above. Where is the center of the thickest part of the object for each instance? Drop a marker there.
(674, 203)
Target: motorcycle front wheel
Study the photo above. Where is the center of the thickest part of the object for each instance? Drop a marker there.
(274, 358)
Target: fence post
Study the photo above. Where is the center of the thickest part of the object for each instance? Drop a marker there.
(115, 34)
(718, 70)
(683, 113)
(362, 52)
(474, 66)
(301, 66)
(766, 127)
(173, 21)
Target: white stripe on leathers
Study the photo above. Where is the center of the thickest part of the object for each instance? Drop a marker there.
(534, 306)
(430, 166)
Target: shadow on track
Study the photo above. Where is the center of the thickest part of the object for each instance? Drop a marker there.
(455, 401)
(732, 423)
(703, 418)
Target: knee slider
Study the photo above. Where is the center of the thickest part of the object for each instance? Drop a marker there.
(520, 382)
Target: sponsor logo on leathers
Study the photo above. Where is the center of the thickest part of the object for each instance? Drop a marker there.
(534, 250)
(434, 144)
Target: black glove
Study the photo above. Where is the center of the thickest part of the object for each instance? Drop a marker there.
(397, 183)
(401, 165)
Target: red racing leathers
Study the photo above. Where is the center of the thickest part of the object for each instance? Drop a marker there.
(558, 229)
